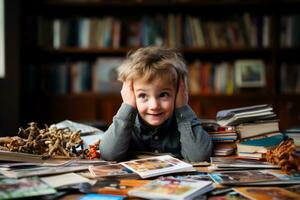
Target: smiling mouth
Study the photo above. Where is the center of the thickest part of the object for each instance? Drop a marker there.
(155, 115)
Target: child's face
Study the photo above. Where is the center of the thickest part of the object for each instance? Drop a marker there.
(155, 100)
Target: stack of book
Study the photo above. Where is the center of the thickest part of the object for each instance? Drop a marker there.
(257, 128)
(224, 138)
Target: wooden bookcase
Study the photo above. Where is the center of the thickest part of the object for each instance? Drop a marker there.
(38, 50)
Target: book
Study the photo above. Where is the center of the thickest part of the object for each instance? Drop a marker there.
(231, 162)
(261, 145)
(247, 130)
(25, 187)
(113, 170)
(265, 193)
(228, 113)
(172, 188)
(76, 126)
(159, 165)
(232, 117)
(254, 177)
(223, 151)
(251, 155)
(224, 148)
(115, 186)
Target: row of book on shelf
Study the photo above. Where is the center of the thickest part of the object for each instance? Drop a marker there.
(159, 177)
(226, 77)
(75, 77)
(248, 132)
(101, 76)
(171, 29)
(290, 30)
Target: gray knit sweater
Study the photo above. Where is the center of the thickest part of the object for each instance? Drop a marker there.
(182, 135)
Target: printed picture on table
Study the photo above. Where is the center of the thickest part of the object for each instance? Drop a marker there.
(267, 193)
(148, 164)
(250, 73)
(109, 170)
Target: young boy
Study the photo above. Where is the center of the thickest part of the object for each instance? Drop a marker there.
(155, 115)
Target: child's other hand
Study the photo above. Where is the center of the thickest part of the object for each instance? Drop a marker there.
(128, 93)
(182, 97)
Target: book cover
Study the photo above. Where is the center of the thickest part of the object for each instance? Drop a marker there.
(158, 165)
(172, 188)
(25, 187)
(254, 177)
(266, 193)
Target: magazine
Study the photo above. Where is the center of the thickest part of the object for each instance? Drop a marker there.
(257, 193)
(231, 162)
(25, 187)
(65, 180)
(114, 186)
(159, 165)
(113, 170)
(75, 126)
(172, 188)
(254, 177)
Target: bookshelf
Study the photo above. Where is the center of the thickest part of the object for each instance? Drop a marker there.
(60, 34)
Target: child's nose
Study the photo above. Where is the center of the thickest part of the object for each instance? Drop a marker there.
(154, 103)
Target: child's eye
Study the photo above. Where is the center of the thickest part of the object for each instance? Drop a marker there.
(142, 96)
(164, 94)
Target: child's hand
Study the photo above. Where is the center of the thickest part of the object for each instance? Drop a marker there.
(128, 93)
(182, 97)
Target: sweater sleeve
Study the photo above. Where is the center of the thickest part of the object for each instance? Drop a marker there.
(196, 144)
(116, 140)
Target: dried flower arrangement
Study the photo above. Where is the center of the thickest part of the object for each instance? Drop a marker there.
(48, 142)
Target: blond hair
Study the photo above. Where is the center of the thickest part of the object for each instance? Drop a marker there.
(153, 62)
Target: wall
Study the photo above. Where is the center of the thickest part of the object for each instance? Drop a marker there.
(9, 85)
